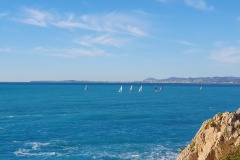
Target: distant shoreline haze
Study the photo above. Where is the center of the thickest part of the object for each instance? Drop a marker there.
(171, 80)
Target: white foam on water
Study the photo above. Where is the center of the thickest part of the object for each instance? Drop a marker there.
(34, 149)
(68, 148)
(36, 145)
(24, 115)
(149, 152)
(115, 151)
(27, 152)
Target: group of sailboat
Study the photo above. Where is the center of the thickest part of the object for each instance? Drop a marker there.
(139, 90)
(156, 90)
(130, 89)
(120, 89)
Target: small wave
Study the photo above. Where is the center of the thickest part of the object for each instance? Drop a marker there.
(71, 148)
(35, 149)
(36, 145)
(32, 115)
(148, 151)
(115, 151)
(24, 115)
(11, 116)
(27, 152)
(133, 155)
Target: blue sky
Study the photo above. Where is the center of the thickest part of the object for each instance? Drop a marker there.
(118, 40)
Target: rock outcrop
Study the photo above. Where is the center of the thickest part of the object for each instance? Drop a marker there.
(218, 138)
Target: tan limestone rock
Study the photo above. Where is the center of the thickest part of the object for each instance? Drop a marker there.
(215, 139)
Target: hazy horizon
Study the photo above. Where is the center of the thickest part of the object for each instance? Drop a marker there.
(118, 40)
(112, 80)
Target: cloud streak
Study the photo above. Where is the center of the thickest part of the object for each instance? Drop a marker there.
(199, 4)
(184, 42)
(163, 1)
(227, 55)
(238, 18)
(36, 17)
(70, 52)
(5, 50)
(3, 14)
(113, 22)
(105, 40)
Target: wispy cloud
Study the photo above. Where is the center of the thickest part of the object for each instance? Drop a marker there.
(113, 22)
(219, 43)
(110, 23)
(238, 18)
(133, 30)
(163, 1)
(99, 31)
(227, 55)
(70, 52)
(5, 50)
(199, 4)
(141, 12)
(36, 17)
(102, 40)
(184, 42)
(3, 14)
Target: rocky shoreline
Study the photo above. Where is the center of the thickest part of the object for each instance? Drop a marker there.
(217, 139)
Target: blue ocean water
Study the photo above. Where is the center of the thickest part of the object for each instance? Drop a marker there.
(62, 121)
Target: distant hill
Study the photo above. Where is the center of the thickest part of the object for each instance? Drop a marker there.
(150, 80)
(190, 80)
(206, 80)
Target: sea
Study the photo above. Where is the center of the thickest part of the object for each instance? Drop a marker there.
(62, 121)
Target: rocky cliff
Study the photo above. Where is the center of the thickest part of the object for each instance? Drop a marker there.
(217, 139)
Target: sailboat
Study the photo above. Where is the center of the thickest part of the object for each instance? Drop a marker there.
(120, 89)
(160, 88)
(201, 88)
(156, 90)
(140, 89)
(86, 88)
(131, 89)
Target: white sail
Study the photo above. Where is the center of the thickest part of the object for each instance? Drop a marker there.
(86, 88)
(140, 89)
(201, 88)
(131, 88)
(120, 89)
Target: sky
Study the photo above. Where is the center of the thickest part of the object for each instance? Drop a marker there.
(118, 40)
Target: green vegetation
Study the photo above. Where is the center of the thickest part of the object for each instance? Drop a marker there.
(220, 113)
(231, 158)
(192, 145)
(233, 155)
(213, 124)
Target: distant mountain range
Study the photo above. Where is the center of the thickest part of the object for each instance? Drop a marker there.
(198, 80)
(190, 80)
